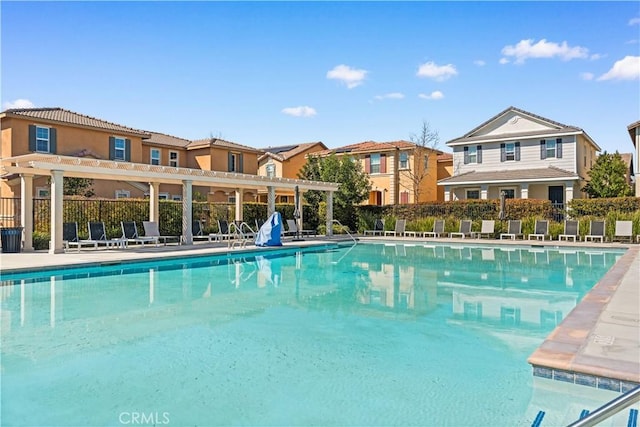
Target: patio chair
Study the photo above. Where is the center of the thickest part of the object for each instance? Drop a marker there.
(596, 231)
(98, 235)
(438, 229)
(487, 229)
(224, 233)
(571, 230)
(541, 230)
(70, 236)
(514, 230)
(624, 231)
(293, 229)
(398, 230)
(197, 231)
(378, 228)
(130, 234)
(151, 229)
(464, 230)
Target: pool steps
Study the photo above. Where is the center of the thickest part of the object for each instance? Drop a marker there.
(632, 421)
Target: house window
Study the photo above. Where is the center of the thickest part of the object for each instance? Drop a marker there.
(176, 197)
(473, 194)
(42, 192)
(510, 151)
(473, 154)
(119, 148)
(509, 193)
(551, 148)
(284, 199)
(42, 139)
(173, 159)
(122, 194)
(404, 160)
(155, 156)
(271, 170)
(375, 163)
(163, 196)
(231, 199)
(404, 197)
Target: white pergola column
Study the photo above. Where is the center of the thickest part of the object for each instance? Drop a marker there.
(568, 193)
(271, 200)
(239, 213)
(524, 191)
(484, 192)
(154, 203)
(299, 209)
(329, 213)
(55, 244)
(26, 211)
(187, 212)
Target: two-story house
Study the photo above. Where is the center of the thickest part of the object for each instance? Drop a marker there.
(395, 169)
(522, 154)
(634, 133)
(285, 161)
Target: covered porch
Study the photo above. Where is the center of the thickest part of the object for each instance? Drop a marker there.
(57, 167)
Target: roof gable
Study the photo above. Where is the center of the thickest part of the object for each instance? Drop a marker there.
(221, 143)
(285, 152)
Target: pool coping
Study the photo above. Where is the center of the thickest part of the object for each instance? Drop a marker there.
(597, 344)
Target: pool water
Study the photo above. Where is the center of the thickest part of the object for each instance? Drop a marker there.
(374, 334)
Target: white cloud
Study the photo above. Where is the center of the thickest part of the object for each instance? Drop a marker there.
(18, 103)
(479, 62)
(351, 77)
(634, 21)
(393, 95)
(437, 72)
(435, 95)
(301, 111)
(504, 61)
(596, 56)
(628, 68)
(633, 41)
(526, 49)
(586, 76)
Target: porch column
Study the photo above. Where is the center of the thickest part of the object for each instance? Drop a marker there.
(154, 204)
(524, 191)
(271, 200)
(187, 212)
(484, 192)
(447, 193)
(239, 194)
(329, 222)
(55, 244)
(299, 208)
(26, 211)
(568, 193)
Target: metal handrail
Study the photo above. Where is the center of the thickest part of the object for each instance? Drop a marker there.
(345, 229)
(609, 409)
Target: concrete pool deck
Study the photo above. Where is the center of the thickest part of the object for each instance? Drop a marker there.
(597, 344)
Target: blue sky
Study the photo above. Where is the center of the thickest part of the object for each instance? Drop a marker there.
(265, 74)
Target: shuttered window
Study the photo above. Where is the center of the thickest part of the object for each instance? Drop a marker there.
(42, 139)
(119, 148)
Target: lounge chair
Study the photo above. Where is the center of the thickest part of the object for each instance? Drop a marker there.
(197, 231)
(398, 230)
(130, 234)
(596, 231)
(541, 230)
(70, 237)
(98, 235)
(294, 231)
(487, 229)
(465, 229)
(224, 233)
(571, 230)
(151, 229)
(438, 229)
(514, 230)
(378, 228)
(624, 231)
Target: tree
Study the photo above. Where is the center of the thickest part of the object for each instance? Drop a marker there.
(77, 187)
(608, 177)
(354, 188)
(426, 143)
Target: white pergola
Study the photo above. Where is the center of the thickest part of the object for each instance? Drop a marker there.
(57, 167)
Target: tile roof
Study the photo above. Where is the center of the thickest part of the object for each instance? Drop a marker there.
(60, 115)
(285, 152)
(211, 142)
(443, 157)
(164, 139)
(369, 146)
(515, 175)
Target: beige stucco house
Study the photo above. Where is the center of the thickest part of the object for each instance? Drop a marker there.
(522, 154)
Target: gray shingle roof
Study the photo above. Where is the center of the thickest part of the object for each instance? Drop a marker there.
(60, 115)
(515, 176)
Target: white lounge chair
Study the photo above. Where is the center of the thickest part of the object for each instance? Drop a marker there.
(596, 231)
(398, 230)
(514, 230)
(487, 229)
(151, 229)
(438, 229)
(378, 228)
(541, 230)
(624, 231)
(571, 230)
(70, 237)
(465, 229)
(98, 235)
(130, 234)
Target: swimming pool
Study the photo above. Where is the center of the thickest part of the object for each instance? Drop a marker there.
(374, 334)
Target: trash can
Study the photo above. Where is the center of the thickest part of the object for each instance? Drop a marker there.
(11, 239)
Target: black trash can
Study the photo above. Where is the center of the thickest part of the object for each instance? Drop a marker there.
(11, 239)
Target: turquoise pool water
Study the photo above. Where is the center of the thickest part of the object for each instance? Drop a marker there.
(367, 335)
